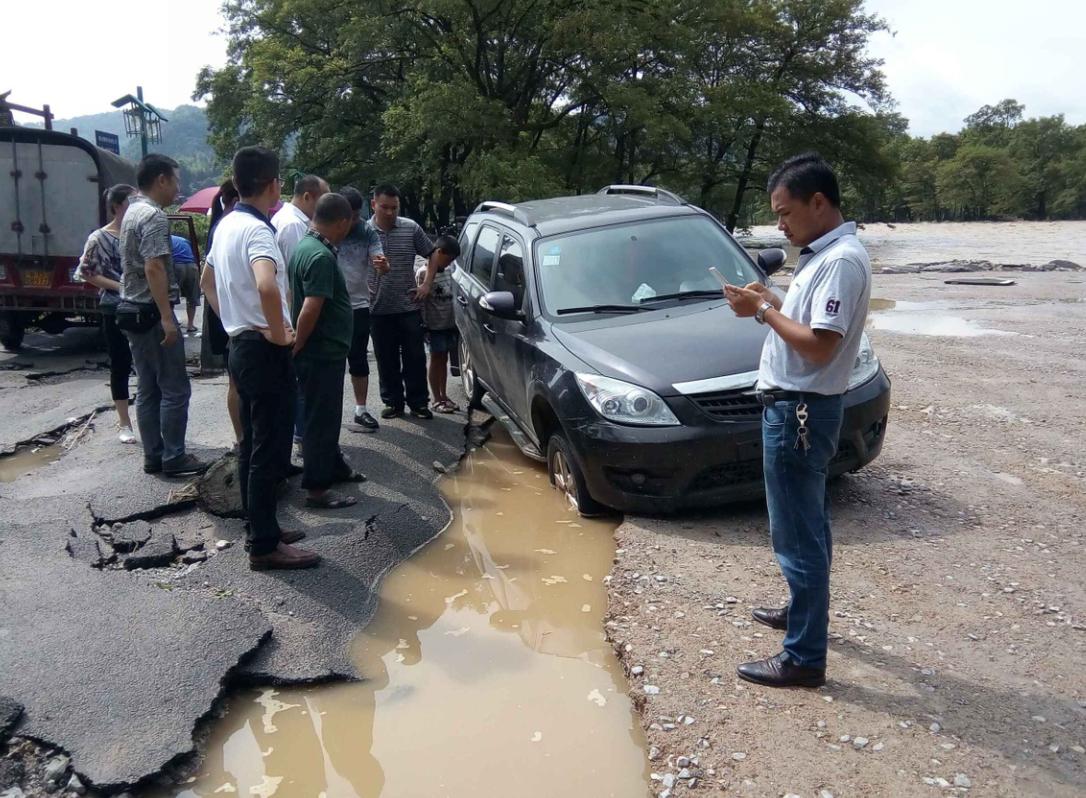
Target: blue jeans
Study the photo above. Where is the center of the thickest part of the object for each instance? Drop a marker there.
(799, 518)
(162, 399)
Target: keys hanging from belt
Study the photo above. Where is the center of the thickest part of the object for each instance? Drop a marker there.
(803, 433)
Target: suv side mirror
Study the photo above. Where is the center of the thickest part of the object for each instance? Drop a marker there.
(771, 260)
(501, 304)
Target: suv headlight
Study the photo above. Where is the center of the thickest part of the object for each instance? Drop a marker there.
(866, 366)
(624, 402)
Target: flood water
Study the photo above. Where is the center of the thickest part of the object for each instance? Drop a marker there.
(998, 242)
(25, 461)
(925, 318)
(488, 670)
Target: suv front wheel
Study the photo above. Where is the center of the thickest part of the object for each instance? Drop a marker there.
(471, 386)
(565, 475)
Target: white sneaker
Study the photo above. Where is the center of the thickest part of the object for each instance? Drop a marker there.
(125, 435)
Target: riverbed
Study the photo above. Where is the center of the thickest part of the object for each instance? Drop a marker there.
(1032, 243)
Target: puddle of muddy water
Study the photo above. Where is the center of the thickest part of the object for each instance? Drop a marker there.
(488, 670)
(924, 318)
(25, 461)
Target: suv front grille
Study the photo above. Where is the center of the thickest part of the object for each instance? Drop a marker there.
(735, 405)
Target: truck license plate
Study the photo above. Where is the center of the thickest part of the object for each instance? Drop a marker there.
(37, 278)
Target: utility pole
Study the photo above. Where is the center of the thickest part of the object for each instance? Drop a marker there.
(143, 124)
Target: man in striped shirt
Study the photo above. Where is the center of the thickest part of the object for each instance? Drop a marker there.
(395, 310)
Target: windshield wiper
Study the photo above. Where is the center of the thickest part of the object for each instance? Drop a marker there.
(684, 295)
(602, 309)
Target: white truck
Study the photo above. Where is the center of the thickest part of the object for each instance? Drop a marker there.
(51, 187)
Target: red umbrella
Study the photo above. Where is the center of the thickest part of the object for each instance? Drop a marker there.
(201, 201)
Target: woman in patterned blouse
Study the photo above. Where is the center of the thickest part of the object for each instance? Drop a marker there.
(101, 266)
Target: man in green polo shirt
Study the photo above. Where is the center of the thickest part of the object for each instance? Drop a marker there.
(323, 323)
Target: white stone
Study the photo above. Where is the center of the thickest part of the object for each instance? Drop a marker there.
(961, 780)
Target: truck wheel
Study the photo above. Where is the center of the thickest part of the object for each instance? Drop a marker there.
(11, 331)
(567, 479)
(472, 389)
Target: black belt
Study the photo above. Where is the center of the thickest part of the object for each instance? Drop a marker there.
(773, 395)
(250, 335)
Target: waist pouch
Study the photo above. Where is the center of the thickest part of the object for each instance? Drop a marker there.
(137, 317)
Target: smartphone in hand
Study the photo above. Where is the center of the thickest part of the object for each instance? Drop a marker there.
(719, 277)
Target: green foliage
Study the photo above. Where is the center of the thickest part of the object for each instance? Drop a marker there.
(463, 100)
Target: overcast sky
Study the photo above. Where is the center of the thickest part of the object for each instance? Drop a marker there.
(948, 58)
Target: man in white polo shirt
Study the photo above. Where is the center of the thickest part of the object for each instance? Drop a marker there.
(806, 362)
(247, 288)
(291, 223)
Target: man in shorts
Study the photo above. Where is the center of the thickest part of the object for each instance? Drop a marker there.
(360, 255)
(188, 278)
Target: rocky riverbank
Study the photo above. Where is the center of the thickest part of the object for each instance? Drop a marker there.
(958, 608)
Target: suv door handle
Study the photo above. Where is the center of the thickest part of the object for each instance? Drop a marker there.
(490, 329)
(463, 300)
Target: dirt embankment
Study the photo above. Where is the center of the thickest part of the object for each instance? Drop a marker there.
(959, 634)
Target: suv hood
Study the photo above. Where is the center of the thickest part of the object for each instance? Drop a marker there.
(667, 346)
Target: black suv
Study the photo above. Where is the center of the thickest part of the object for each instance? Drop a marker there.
(592, 328)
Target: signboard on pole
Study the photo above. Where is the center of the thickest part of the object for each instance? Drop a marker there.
(107, 141)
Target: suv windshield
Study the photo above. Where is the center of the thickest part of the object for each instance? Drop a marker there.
(631, 264)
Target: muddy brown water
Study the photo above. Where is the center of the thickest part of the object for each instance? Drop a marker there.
(488, 669)
(25, 461)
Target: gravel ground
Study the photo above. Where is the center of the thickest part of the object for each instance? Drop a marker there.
(958, 646)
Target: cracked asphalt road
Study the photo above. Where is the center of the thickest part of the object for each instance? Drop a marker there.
(118, 668)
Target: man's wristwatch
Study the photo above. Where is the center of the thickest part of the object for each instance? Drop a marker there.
(759, 314)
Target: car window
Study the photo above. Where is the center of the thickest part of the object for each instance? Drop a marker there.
(482, 257)
(467, 237)
(510, 275)
(629, 264)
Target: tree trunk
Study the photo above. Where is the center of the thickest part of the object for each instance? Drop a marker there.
(744, 176)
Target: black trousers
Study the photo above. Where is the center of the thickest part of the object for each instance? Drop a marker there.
(400, 348)
(321, 382)
(264, 374)
(120, 357)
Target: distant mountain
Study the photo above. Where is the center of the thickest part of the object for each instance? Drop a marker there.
(184, 138)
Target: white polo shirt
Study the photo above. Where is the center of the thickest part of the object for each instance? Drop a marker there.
(290, 225)
(240, 239)
(830, 290)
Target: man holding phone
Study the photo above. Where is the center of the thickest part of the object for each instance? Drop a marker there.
(806, 362)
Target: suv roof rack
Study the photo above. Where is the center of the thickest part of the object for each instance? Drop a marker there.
(662, 196)
(511, 211)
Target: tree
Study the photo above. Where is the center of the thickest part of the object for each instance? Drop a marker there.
(460, 100)
(980, 182)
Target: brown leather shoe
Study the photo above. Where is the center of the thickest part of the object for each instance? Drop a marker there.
(283, 558)
(779, 672)
(290, 535)
(773, 617)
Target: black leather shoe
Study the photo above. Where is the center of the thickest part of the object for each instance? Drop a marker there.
(778, 672)
(366, 421)
(422, 412)
(772, 617)
(392, 412)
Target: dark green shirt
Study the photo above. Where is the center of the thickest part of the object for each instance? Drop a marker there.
(313, 271)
